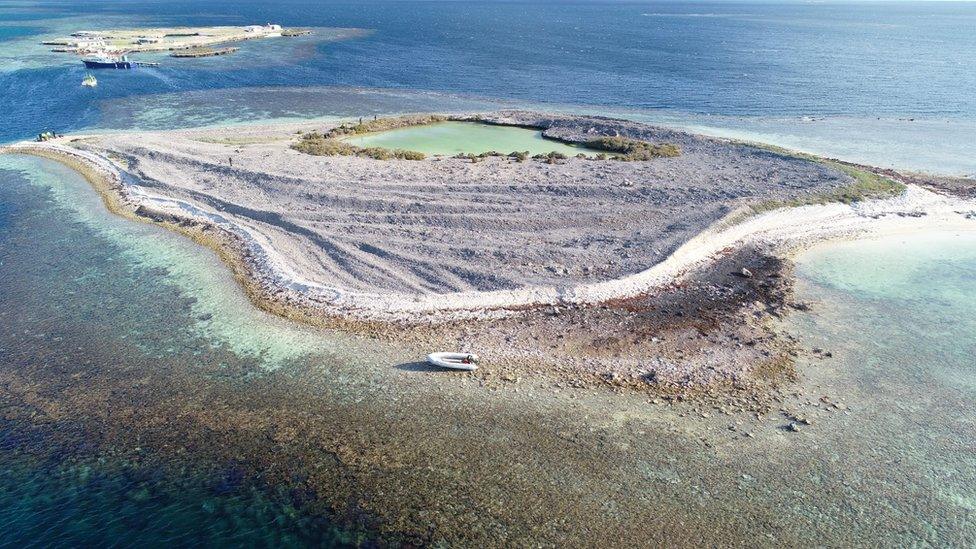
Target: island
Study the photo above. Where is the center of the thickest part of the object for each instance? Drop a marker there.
(165, 39)
(628, 256)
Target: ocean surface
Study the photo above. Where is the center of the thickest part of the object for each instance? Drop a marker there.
(883, 82)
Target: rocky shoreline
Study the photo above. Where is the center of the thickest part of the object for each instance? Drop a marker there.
(700, 322)
(417, 244)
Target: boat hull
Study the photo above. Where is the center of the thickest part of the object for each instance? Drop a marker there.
(107, 64)
(454, 361)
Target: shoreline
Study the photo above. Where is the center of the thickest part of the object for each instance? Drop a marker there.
(161, 39)
(350, 433)
(701, 323)
(226, 245)
(269, 282)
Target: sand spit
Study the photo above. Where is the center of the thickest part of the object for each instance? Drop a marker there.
(649, 276)
(405, 240)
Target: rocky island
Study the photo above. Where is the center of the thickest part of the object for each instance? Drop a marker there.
(164, 39)
(655, 259)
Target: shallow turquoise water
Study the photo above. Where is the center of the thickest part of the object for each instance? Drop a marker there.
(449, 138)
(219, 309)
(85, 293)
(918, 294)
(899, 316)
(86, 297)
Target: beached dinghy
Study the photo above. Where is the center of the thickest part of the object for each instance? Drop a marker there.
(455, 361)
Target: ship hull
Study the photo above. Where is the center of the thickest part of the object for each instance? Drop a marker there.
(107, 64)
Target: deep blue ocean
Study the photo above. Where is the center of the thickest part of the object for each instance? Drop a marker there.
(791, 61)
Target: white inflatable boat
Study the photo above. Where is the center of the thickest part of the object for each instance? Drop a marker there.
(454, 361)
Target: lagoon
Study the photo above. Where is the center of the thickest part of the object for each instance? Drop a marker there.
(450, 138)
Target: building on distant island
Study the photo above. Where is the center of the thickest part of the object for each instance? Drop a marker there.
(87, 45)
(268, 30)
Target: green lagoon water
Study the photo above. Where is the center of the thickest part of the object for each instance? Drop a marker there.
(450, 138)
(112, 325)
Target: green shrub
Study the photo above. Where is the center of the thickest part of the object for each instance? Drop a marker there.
(377, 153)
(866, 185)
(315, 144)
(383, 124)
(631, 150)
(552, 157)
(409, 155)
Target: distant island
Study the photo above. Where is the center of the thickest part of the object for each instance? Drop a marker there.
(119, 41)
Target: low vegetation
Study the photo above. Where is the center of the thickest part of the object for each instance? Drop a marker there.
(317, 144)
(296, 32)
(518, 156)
(383, 124)
(633, 150)
(203, 52)
(330, 143)
(866, 185)
(477, 157)
(551, 157)
(240, 141)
